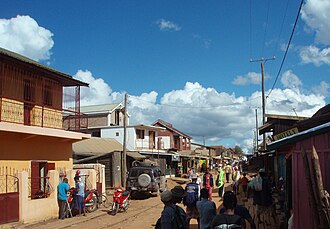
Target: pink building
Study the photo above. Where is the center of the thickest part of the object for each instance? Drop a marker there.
(314, 131)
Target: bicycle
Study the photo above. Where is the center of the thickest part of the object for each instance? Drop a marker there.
(103, 200)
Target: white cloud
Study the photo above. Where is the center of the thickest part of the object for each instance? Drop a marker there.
(165, 25)
(249, 78)
(316, 14)
(322, 89)
(98, 92)
(23, 35)
(198, 111)
(283, 101)
(312, 54)
(290, 80)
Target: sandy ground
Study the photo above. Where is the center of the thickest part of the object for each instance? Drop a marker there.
(142, 213)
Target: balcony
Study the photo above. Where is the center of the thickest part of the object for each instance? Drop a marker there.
(30, 114)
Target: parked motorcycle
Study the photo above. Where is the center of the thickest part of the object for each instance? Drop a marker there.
(90, 199)
(120, 201)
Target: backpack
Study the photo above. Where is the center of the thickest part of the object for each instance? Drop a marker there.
(192, 194)
(179, 220)
(257, 184)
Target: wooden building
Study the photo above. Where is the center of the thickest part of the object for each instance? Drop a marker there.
(32, 139)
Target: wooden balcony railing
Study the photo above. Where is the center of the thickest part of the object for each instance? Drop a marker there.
(30, 114)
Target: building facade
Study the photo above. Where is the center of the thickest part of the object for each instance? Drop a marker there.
(32, 137)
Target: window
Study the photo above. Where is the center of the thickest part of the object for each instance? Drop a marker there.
(139, 134)
(39, 181)
(48, 96)
(28, 91)
(117, 115)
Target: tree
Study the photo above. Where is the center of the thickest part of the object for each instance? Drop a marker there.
(238, 150)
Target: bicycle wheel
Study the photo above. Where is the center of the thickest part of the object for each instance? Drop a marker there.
(105, 201)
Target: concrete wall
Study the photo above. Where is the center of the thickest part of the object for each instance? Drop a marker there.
(96, 121)
(89, 169)
(38, 209)
(47, 208)
(167, 142)
(18, 150)
(111, 133)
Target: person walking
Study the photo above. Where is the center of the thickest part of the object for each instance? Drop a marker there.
(192, 190)
(62, 198)
(228, 171)
(236, 177)
(208, 182)
(206, 210)
(262, 196)
(80, 196)
(172, 216)
(244, 182)
(241, 211)
(228, 219)
(220, 181)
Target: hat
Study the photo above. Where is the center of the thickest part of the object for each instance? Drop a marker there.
(178, 191)
(194, 176)
(166, 196)
(261, 170)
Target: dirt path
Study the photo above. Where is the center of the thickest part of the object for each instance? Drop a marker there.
(142, 213)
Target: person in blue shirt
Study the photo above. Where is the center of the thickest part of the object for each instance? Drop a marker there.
(206, 210)
(80, 196)
(62, 198)
(172, 216)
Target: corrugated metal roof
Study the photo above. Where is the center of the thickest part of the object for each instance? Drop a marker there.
(170, 126)
(149, 127)
(135, 155)
(99, 108)
(299, 136)
(66, 79)
(96, 146)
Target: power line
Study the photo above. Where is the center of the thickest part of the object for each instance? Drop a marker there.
(287, 48)
(250, 29)
(281, 29)
(265, 32)
(195, 107)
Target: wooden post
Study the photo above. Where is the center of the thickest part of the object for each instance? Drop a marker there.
(320, 197)
(311, 196)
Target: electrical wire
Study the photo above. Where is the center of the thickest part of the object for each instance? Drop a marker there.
(250, 29)
(281, 29)
(265, 31)
(287, 48)
(194, 107)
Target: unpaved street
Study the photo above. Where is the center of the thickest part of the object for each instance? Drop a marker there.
(142, 213)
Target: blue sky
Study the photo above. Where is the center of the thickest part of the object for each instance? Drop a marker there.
(186, 62)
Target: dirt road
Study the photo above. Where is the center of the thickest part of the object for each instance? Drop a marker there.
(142, 213)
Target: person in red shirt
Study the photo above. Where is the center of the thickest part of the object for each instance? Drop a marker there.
(208, 182)
(244, 182)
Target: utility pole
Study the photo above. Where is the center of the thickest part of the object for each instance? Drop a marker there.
(124, 167)
(256, 131)
(263, 61)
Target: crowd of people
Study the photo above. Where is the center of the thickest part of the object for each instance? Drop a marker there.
(197, 199)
